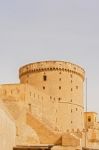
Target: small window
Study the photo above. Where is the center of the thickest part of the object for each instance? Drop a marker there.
(71, 100)
(71, 81)
(29, 107)
(71, 89)
(43, 87)
(71, 76)
(77, 87)
(59, 79)
(59, 87)
(71, 122)
(44, 77)
(71, 110)
(59, 98)
(76, 109)
(60, 72)
(89, 119)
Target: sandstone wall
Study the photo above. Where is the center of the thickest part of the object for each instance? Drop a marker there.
(7, 130)
(50, 91)
(63, 83)
(60, 115)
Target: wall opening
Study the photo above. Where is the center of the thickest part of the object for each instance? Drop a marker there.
(44, 77)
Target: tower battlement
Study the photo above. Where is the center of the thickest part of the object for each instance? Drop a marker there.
(51, 66)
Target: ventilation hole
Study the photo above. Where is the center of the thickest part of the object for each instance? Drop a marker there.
(44, 77)
(59, 87)
(43, 87)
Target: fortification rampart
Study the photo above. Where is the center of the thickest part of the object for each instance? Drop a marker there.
(51, 66)
(51, 91)
(55, 114)
(7, 129)
(14, 92)
(63, 83)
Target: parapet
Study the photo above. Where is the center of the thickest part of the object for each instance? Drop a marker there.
(51, 66)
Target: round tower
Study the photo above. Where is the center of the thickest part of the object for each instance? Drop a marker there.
(63, 81)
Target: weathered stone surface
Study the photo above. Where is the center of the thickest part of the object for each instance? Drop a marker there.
(46, 103)
(7, 129)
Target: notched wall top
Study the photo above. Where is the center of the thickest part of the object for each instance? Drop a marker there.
(50, 66)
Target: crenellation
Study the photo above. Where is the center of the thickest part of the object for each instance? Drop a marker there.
(50, 65)
(49, 69)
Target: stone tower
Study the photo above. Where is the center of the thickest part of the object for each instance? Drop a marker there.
(63, 83)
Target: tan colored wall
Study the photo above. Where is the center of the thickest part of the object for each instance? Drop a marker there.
(58, 109)
(14, 92)
(56, 114)
(14, 97)
(19, 97)
(7, 130)
(46, 134)
(52, 109)
(71, 76)
(67, 101)
(92, 139)
(92, 130)
(93, 122)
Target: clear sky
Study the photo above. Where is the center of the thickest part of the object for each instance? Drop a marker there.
(34, 30)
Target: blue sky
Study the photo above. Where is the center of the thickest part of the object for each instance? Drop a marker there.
(34, 30)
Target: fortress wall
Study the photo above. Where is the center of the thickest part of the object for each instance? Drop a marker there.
(69, 120)
(40, 105)
(13, 97)
(63, 82)
(7, 130)
(92, 139)
(18, 98)
(54, 112)
(63, 89)
(53, 91)
(14, 92)
(14, 100)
